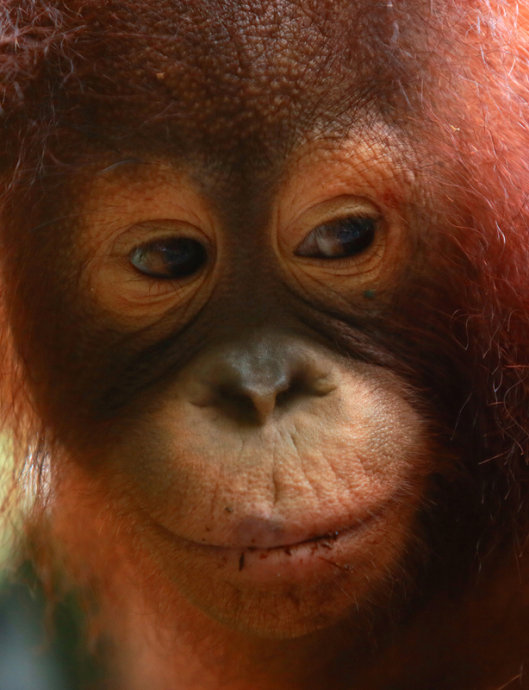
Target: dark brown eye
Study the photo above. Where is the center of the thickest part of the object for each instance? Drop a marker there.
(339, 238)
(169, 259)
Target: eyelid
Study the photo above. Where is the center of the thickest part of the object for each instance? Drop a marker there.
(333, 208)
(292, 233)
(339, 224)
(158, 230)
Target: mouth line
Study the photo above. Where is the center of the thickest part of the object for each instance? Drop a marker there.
(325, 540)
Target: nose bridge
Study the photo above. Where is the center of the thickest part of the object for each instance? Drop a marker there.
(263, 363)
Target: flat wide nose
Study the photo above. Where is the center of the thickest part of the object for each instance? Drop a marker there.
(255, 381)
(253, 378)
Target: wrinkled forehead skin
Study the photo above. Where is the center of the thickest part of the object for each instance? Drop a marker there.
(235, 83)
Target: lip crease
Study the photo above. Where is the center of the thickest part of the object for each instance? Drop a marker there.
(324, 539)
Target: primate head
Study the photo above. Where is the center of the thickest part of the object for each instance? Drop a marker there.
(266, 333)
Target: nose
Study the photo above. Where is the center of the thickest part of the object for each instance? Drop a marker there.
(254, 381)
(253, 378)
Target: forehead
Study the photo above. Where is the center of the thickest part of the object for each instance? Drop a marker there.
(233, 82)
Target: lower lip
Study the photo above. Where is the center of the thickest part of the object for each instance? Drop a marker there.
(299, 561)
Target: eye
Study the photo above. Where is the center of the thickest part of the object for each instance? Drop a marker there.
(339, 238)
(169, 259)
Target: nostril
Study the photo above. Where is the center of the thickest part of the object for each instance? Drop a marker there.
(304, 386)
(296, 388)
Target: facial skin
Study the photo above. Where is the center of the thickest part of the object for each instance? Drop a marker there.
(274, 481)
(280, 440)
(245, 323)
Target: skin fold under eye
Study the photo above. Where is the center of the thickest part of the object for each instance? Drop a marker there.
(339, 238)
(171, 258)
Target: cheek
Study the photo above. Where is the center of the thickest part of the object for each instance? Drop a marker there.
(284, 527)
